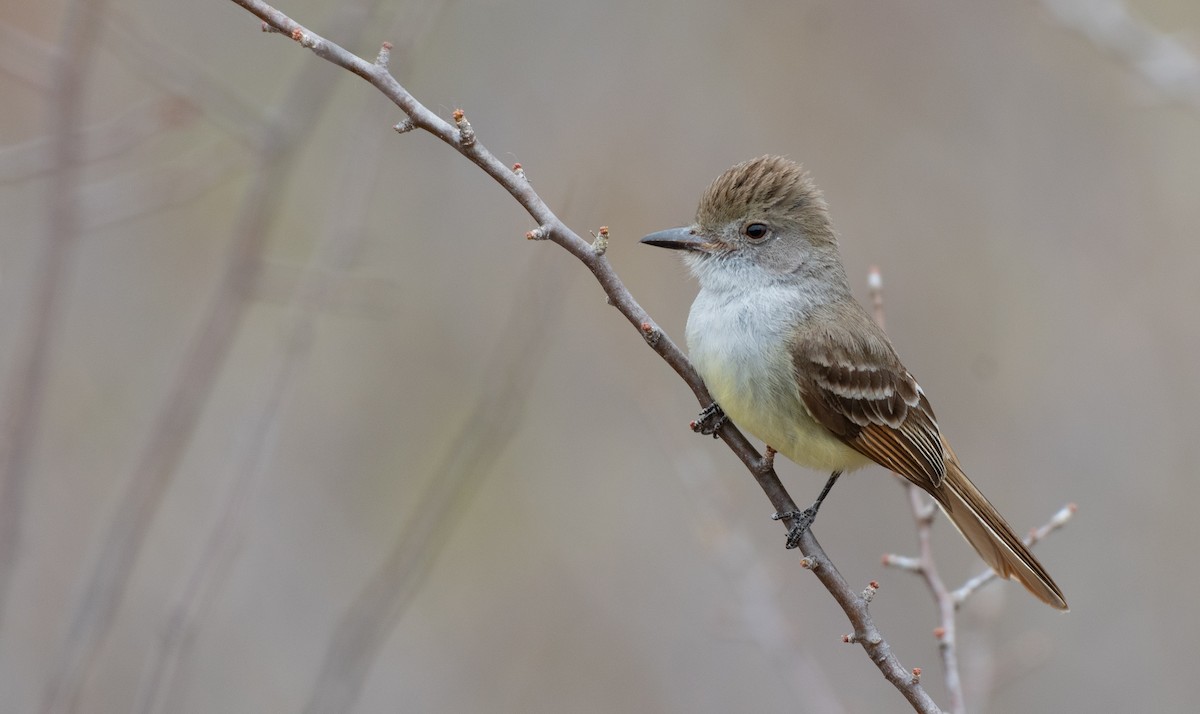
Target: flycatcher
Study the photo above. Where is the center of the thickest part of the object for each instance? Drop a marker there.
(793, 359)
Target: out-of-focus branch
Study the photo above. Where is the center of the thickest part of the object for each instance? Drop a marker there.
(948, 601)
(101, 593)
(1162, 60)
(144, 192)
(144, 50)
(26, 58)
(111, 137)
(760, 602)
(483, 434)
(338, 243)
(26, 383)
(461, 136)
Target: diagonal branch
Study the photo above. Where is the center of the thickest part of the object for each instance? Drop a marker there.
(461, 137)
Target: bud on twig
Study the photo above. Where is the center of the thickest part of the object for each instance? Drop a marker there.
(466, 134)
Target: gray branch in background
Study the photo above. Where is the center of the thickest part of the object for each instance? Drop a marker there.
(124, 132)
(103, 588)
(755, 581)
(198, 589)
(483, 435)
(1162, 60)
(27, 58)
(24, 395)
(335, 252)
(142, 51)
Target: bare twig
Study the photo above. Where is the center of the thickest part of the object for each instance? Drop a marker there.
(924, 511)
(552, 228)
(1058, 520)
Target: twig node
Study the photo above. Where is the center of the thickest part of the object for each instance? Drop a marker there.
(466, 134)
(600, 242)
(385, 55)
(651, 333)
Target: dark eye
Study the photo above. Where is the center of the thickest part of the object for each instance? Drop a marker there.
(756, 231)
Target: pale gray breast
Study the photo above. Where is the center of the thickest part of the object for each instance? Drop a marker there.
(739, 344)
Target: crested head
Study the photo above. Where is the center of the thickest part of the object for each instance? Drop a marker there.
(762, 222)
(771, 189)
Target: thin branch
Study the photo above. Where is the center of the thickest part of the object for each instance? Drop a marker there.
(924, 511)
(463, 139)
(1058, 520)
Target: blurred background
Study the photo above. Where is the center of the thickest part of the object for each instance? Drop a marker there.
(296, 420)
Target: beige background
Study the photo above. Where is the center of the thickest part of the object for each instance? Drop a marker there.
(415, 394)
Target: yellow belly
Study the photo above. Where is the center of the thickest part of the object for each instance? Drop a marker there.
(771, 410)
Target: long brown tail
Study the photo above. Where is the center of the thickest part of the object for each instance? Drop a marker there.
(987, 531)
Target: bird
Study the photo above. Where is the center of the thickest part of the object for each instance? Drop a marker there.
(792, 358)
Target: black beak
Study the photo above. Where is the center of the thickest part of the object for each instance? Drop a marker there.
(684, 238)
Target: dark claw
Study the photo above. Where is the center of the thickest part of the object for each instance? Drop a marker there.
(801, 521)
(710, 420)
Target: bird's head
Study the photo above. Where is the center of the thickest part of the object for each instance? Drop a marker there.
(765, 219)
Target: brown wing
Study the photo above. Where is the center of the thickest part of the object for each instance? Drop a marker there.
(854, 385)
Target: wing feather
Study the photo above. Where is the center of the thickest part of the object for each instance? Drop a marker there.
(853, 384)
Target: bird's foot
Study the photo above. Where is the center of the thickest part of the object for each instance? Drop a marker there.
(801, 522)
(709, 421)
